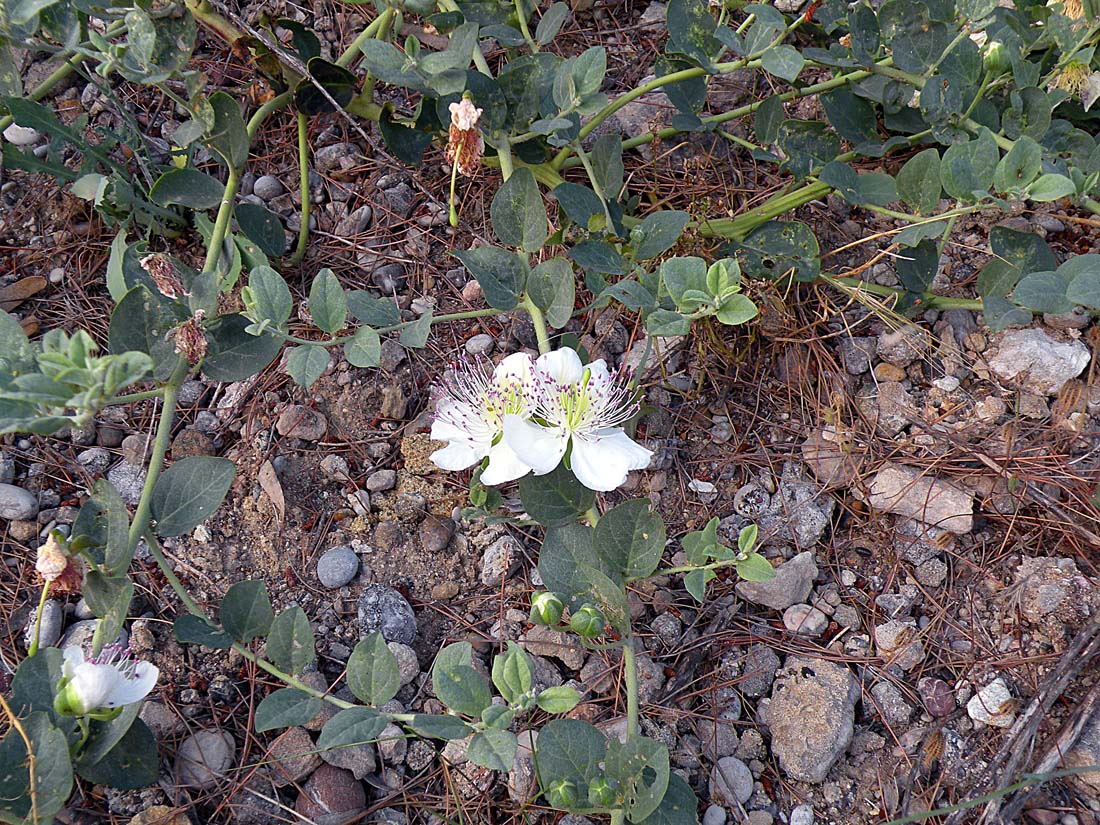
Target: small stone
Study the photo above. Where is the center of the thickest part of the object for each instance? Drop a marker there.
(16, 504)
(832, 458)
(805, 620)
(189, 443)
(388, 535)
(383, 609)
(706, 491)
(542, 640)
(1053, 586)
(52, 619)
(129, 480)
(7, 468)
(759, 667)
(497, 558)
(899, 644)
(337, 567)
(1076, 318)
(436, 533)
(161, 721)
(932, 573)
(792, 584)
(331, 794)
(1085, 753)
(336, 157)
(887, 373)
(381, 480)
(354, 222)
(161, 815)
(57, 275)
(18, 135)
(301, 422)
(937, 696)
(109, 436)
(481, 344)
(407, 663)
(445, 590)
(718, 737)
(714, 815)
(811, 716)
(901, 347)
(1037, 361)
(803, 815)
(336, 468)
(95, 460)
(847, 616)
(392, 744)
(394, 403)
(911, 492)
(136, 449)
(267, 187)
(993, 705)
(292, 756)
(471, 292)
(889, 409)
(891, 704)
(731, 780)
(203, 759)
(857, 353)
(80, 635)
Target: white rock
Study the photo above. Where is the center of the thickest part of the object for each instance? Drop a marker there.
(910, 492)
(993, 705)
(20, 135)
(1036, 361)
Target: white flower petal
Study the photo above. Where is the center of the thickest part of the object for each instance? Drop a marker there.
(73, 657)
(504, 465)
(563, 365)
(598, 369)
(128, 691)
(602, 460)
(516, 366)
(540, 448)
(457, 456)
(92, 684)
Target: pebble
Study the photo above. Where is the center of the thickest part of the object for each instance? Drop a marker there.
(381, 480)
(392, 744)
(706, 491)
(331, 794)
(805, 620)
(901, 347)
(354, 222)
(803, 815)
(52, 619)
(129, 480)
(891, 704)
(80, 635)
(899, 644)
(481, 344)
(857, 353)
(811, 716)
(336, 468)
(383, 609)
(292, 756)
(359, 759)
(267, 187)
(1037, 361)
(937, 696)
(759, 667)
(497, 558)
(20, 135)
(203, 759)
(7, 468)
(714, 815)
(542, 640)
(57, 275)
(95, 460)
(337, 567)
(1086, 752)
(436, 532)
(16, 504)
(911, 492)
(301, 422)
(792, 583)
(407, 663)
(731, 780)
(993, 705)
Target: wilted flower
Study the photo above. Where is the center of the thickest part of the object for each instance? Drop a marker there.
(163, 272)
(470, 413)
(1078, 79)
(1073, 9)
(582, 406)
(464, 142)
(98, 686)
(190, 339)
(64, 573)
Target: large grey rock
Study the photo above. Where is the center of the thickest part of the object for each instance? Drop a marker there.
(910, 492)
(382, 609)
(203, 759)
(16, 504)
(792, 583)
(811, 716)
(1036, 361)
(52, 619)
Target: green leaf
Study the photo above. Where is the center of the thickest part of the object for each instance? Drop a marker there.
(229, 137)
(607, 164)
(142, 323)
(105, 521)
(598, 256)
(1000, 313)
(852, 116)
(1084, 286)
(189, 491)
(307, 363)
(500, 272)
(512, 673)
(552, 288)
(286, 708)
(132, 763)
(105, 735)
(373, 675)
(462, 689)
(919, 182)
(695, 582)
(571, 750)
(351, 727)
(678, 806)
(53, 776)
(340, 84)
(187, 187)
(234, 354)
(556, 498)
(778, 247)
(549, 25)
(918, 266)
(109, 598)
(1050, 188)
(263, 227)
(967, 168)
(642, 770)
(565, 554)
(1019, 167)
(1043, 292)
(518, 213)
(245, 611)
(194, 630)
(268, 296)
(630, 538)
(755, 568)
(372, 310)
(364, 349)
(735, 310)
(872, 188)
(439, 726)
(664, 323)
(580, 203)
(660, 232)
(808, 145)
(493, 749)
(691, 31)
(35, 685)
(1016, 253)
(415, 335)
(116, 284)
(557, 700)
(290, 644)
(328, 305)
(783, 61)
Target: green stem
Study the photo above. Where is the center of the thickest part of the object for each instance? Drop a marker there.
(436, 319)
(928, 300)
(140, 524)
(630, 676)
(523, 28)
(539, 321)
(261, 114)
(221, 224)
(592, 516)
(377, 25)
(130, 398)
(504, 155)
(740, 226)
(303, 180)
(33, 649)
(588, 170)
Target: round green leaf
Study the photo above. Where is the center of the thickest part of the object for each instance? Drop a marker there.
(189, 491)
(373, 675)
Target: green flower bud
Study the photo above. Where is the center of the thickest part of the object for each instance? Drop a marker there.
(601, 794)
(587, 622)
(997, 61)
(562, 795)
(546, 608)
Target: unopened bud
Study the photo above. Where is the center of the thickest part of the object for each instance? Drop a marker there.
(587, 622)
(546, 608)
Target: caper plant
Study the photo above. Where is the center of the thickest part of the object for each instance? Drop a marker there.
(932, 111)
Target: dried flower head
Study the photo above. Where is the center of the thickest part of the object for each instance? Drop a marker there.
(190, 339)
(52, 559)
(1079, 80)
(1073, 9)
(464, 142)
(163, 272)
